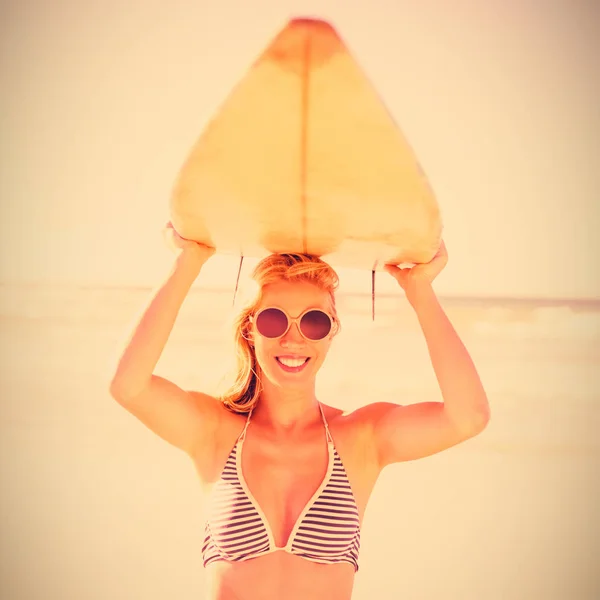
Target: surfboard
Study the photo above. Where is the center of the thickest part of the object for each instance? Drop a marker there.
(303, 156)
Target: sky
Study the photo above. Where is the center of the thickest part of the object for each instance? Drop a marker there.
(102, 101)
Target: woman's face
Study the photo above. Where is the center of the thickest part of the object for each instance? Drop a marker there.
(294, 298)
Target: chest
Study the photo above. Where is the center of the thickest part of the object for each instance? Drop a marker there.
(283, 479)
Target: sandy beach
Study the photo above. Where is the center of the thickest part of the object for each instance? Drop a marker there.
(94, 506)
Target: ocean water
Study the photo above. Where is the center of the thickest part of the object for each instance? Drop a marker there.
(94, 506)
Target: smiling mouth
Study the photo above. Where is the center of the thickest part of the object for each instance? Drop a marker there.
(292, 365)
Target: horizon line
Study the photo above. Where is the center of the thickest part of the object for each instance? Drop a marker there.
(386, 294)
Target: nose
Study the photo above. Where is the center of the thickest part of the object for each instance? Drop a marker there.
(293, 337)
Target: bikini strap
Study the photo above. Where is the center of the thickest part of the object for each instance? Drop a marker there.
(328, 433)
(243, 434)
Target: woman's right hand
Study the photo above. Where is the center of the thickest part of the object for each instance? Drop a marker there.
(181, 245)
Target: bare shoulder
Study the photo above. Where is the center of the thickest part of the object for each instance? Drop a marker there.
(357, 421)
(359, 428)
(209, 402)
(399, 433)
(209, 461)
(351, 429)
(353, 440)
(226, 421)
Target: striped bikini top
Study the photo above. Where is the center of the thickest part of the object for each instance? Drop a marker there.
(327, 530)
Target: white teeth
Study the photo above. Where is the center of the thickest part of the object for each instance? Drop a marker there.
(292, 362)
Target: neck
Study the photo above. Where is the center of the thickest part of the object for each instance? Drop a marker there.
(287, 410)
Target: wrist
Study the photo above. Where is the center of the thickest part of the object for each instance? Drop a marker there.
(189, 260)
(418, 292)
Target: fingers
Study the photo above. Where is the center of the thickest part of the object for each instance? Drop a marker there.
(393, 270)
(396, 272)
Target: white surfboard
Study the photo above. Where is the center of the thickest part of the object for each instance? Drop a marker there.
(303, 156)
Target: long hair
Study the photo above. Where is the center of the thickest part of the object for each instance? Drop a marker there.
(243, 393)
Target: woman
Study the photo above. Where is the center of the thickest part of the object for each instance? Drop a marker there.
(288, 478)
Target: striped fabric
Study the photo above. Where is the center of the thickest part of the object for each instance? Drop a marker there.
(327, 530)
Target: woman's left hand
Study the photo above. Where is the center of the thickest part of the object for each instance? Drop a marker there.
(420, 274)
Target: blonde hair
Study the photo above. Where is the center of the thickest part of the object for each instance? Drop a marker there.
(243, 393)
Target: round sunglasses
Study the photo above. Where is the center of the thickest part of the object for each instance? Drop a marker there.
(314, 324)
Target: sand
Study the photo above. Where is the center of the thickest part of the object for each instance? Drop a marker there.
(94, 506)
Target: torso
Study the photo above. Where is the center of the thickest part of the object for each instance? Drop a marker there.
(283, 477)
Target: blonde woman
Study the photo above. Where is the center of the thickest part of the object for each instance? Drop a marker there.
(288, 478)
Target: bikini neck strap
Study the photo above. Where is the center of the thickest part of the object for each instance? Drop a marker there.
(243, 434)
(327, 432)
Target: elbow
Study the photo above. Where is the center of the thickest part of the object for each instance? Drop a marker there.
(124, 389)
(115, 389)
(482, 422)
(119, 390)
(473, 422)
(479, 420)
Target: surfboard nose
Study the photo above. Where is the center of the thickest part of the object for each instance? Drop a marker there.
(305, 42)
(310, 22)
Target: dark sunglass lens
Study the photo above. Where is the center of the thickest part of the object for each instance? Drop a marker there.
(315, 325)
(271, 323)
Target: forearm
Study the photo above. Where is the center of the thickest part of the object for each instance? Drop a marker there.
(150, 335)
(464, 398)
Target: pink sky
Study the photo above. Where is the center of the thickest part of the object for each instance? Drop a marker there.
(102, 101)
